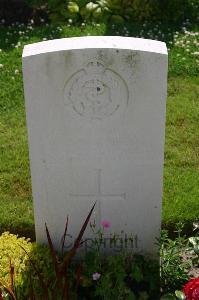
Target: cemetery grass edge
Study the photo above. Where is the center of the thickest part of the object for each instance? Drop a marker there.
(181, 167)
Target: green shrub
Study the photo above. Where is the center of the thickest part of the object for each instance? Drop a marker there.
(118, 10)
(10, 250)
(173, 268)
(121, 276)
(39, 257)
(12, 11)
(45, 274)
(176, 10)
(16, 251)
(80, 10)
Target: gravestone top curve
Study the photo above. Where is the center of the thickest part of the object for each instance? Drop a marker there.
(93, 42)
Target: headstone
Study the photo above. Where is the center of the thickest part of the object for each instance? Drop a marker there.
(96, 118)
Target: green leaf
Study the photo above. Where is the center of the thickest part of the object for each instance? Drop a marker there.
(131, 296)
(54, 3)
(117, 19)
(84, 13)
(168, 297)
(196, 249)
(73, 7)
(97, 12)
(143, 296)
(56, 18)
(129, 11)
(137, 274)
(91, 6)
(180, 295)
(194, 240)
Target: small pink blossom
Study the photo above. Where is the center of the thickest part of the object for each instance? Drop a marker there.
(106, 224)
(96, 276)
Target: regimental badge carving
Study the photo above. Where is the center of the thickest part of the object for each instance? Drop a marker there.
(95, 91)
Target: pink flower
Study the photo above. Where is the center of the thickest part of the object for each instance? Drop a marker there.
(96, 276)
(106, 224)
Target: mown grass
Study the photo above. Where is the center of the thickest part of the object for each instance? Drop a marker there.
(181, 173)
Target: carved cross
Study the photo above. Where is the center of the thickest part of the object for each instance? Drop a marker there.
(98, 197)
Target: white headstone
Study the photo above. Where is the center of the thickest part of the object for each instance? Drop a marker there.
(96, 118)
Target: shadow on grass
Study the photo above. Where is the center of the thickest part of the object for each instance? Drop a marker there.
(28, 231)
(161, 31)
(12, 35)
(24, 230)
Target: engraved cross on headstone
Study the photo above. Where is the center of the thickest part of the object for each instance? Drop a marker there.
(98, 197)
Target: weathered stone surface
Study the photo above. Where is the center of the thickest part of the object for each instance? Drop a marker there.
(96, 117)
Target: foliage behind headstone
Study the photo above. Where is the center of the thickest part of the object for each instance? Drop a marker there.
(120, 10)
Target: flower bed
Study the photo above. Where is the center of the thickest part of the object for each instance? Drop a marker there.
(32, 271)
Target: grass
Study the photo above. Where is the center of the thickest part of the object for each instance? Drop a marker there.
(181, 172)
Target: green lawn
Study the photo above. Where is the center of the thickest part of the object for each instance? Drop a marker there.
(181, 173)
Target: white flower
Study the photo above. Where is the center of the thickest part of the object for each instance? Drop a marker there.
(196, 53)
(1, 66)
(96, 276)
(16, 72)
